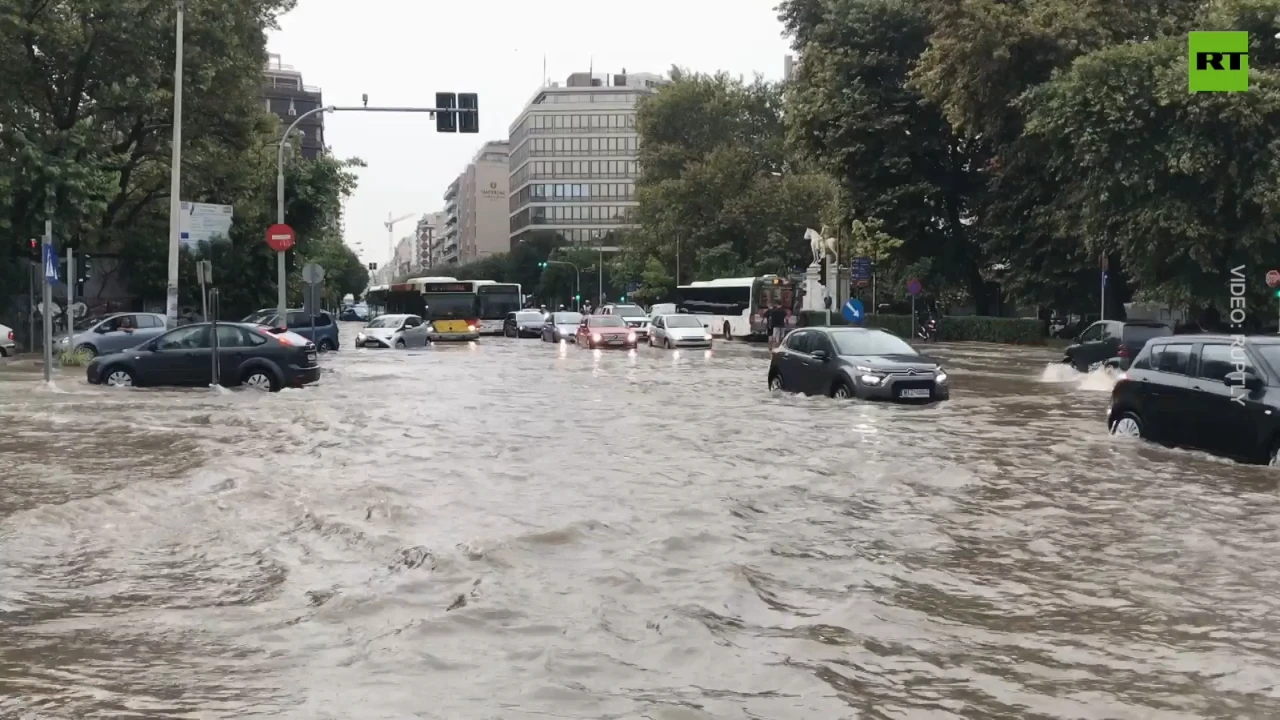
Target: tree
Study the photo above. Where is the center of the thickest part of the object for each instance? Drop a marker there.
(718, 182)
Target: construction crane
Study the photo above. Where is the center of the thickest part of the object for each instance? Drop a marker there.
(390, 225)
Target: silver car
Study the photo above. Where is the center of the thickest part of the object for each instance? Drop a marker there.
(561, 326)
(674, 331)
(395, 331)
(114, 333)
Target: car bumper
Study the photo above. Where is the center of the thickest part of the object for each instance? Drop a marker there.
(373, 342)
(454, 337)
(892, 390)
(528, 332)
(691, 342)
(299, 376)
(641, 332)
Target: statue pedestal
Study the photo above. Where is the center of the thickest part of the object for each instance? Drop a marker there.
(813, 288)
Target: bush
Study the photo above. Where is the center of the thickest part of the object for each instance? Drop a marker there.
(74, 358)
(964, 328)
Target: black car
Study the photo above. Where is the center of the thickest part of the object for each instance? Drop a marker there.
(524, 323)
(252, 355)
(1216, 393)
(844, 362)
(1112, 340)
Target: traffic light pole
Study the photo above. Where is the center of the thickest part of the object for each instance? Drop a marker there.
(577, 279)
(46, 309)
(281, 271)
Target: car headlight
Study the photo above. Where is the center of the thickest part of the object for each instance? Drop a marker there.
(595, 337)
(471, 328)
(65, 341)
(631, 337)
(871, 379)
(359, 337)
(941, 378)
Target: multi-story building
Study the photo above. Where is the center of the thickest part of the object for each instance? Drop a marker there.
(287, 97)
(483, 226)
(405, 256)
(430, 228)
(574, 159)
(445, 251)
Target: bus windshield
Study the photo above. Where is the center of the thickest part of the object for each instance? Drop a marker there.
(497, 305)
(449, 306)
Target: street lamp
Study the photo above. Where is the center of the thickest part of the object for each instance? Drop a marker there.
(175, 174)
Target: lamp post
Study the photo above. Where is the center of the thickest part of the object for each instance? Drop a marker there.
(175, 174)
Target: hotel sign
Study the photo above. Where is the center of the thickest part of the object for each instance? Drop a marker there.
(493, 192)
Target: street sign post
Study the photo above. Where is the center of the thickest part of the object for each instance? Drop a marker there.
(280, 237)
(213, 301)
(204, 274)
(860, 271)
(852, 311)
(46, 308)
(913, 289)
(313, 276)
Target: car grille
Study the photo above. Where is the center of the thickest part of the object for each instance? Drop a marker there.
(900, 384)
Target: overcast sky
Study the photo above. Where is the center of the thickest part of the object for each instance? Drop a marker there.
(401, 52)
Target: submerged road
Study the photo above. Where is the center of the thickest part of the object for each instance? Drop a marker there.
(512, 530)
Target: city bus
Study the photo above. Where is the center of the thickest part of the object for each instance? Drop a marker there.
(497, 300)
(734, 307)
(449, 304)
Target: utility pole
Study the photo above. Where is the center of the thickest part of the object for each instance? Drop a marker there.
(48, 258)
(175, 174)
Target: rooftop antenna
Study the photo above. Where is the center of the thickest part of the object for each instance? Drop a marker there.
(591, 68)
(545, 80)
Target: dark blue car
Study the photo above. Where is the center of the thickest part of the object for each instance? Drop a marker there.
(326, 334)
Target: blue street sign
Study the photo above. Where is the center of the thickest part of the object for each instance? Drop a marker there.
(50, 264)
(633, 287)
(861, 268)
(852, 310)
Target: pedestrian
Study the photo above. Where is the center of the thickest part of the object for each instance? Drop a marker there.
(776, 319)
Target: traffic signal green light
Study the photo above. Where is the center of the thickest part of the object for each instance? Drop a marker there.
(542, 265)
(577, 298)
(1278, 292)
(623, 298)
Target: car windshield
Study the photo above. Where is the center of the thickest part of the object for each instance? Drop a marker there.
(529, 317)
(870, 343)
(628, 311)
(1270, 353)
(386, 321)
(607, 321)
(568, 318)
(681, 321)
(450, 306)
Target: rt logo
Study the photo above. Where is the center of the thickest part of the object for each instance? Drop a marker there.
(1218, 62)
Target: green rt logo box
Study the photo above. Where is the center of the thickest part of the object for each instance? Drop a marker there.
(1218, 61)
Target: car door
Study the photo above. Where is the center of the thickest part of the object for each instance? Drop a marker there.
(1169, 400)
(1112, 333)
(182, 357)
(1088, 346)
(819, 373)
(149, 327)
(112, 339)
(414, 332)
(235, 345)
(790, 358)
(658, 330)
(1226, 417)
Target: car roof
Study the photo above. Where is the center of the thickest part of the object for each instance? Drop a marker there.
(1215, 338)
(1146, 323)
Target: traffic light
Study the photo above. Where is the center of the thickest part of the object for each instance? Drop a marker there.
(622, 298)
(542, 265)
(446, 118)
(86, 267)
(34, 249)
(469, 122)
(577, 298)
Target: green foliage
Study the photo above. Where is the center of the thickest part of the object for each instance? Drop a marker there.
(718, 182)
(85, 125)
(74, 357)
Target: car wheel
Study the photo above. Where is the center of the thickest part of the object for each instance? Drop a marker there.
(91, 350)
(118, 376)
(841, 390)
(400, 344)
(261, 380)
(1130, 425)
(1274, 461)
(667, 343)
(326, 345)
(775, 382)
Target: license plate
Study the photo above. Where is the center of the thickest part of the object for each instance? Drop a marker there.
(615, 341)
(914, 394)
(311, 357)
(451, 326)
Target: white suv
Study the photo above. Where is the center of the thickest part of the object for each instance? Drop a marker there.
(633, 315)
(7, 345)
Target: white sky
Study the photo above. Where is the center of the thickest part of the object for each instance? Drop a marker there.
(401, 52)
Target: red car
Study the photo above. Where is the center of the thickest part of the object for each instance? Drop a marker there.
(605, 331)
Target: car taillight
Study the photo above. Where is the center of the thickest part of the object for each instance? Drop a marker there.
(1124, 353)
(10, 334)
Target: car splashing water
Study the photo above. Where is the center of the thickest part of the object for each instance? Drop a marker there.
(519, 529)
(1102, 379)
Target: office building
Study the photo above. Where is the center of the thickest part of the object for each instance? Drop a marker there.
(574, 159)
(430, 228)
(287, 97)
(445, 251)
(483, 225)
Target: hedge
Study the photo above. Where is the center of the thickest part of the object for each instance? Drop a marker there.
(959, 328)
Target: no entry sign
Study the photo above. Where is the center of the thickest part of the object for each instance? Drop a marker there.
(280, 237)
(1273, 278)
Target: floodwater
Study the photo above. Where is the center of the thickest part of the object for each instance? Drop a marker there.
(514, 529)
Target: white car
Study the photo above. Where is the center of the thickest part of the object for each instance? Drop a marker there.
(7, 345)
(662, 309)
(676, 331)
(561, 326)
(395, 331)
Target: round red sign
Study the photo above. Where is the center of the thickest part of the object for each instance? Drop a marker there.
(280, 237)
(1273, 278)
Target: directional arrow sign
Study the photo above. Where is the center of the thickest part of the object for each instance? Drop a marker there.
(852, 310)
(280, 237)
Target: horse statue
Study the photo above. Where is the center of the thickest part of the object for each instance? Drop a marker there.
(821, 247)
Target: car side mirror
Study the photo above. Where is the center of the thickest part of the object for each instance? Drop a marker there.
(1247, 380)
(821, 355)
(101, 330)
